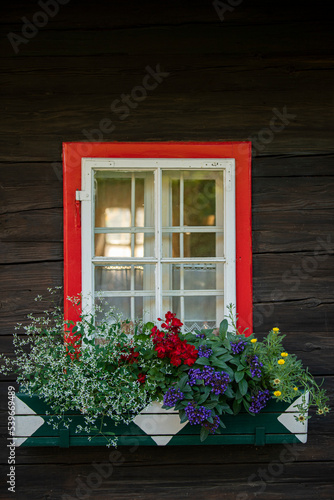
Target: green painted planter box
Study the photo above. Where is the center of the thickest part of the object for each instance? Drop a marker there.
(158, 427)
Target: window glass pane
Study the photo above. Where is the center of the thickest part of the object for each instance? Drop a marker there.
(170, 245)
(139, 203)
(119, 245)
(119, 305)
(200, 244)
(112, 200)
(199, 312)
(175, 202)
(192, 276)
(192, 198)
(171, 304)
(145, 308)
(124, 277)
(199, 202)
(124, 199)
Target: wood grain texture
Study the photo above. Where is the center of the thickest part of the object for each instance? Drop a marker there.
(226, 77)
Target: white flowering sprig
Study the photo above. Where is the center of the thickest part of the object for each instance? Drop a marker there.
(101, 379)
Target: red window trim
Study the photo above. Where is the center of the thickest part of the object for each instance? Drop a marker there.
(73, 152)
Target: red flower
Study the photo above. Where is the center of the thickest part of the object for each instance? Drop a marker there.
(169, 344)
(131, 357)
(141, 378)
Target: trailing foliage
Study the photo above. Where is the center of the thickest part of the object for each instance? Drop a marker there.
(115, 368)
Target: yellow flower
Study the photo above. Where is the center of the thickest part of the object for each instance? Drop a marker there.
(275, 330)
(277, 381)
(277, 393)
(253, 341)
(320, 411)
(281, 361)
(284, 354)
(295, 388)
(301, 418)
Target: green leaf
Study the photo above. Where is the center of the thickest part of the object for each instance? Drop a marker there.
(223, 329)
(243, 387)
(219, 350)
(183, 382)
(183, 416)
(202, 361)
(205, 395)
(239, 376)
(225, 357)
(204, 433)
(211, 405)
(229, 393)
(221, 364)
(148, 326)
(236, 407)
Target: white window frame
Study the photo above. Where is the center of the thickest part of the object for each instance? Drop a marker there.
(157, 165)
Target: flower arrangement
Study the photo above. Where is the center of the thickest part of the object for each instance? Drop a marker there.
(116, 368)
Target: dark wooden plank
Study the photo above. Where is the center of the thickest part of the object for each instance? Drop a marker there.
(155, 475)
(291, 276)
(293, 231)
(292, 166)
(102, 15)
(112, 75)
(35, 76)
(30, 280)
(316, 449)
(33, 226)
(218, 38)
(296, 193)
(29, 187)
(31, 251)
(175, 127)
(135, 490)
(298, 316)
(233, 113)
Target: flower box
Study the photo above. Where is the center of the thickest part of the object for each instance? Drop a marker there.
(155, 426)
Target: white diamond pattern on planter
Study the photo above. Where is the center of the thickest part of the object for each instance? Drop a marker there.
(158, 423)
(26, 422)
(299, 429)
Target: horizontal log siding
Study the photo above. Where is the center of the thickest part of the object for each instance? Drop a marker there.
(227, 80)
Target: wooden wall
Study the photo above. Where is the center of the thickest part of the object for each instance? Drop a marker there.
(227, 80)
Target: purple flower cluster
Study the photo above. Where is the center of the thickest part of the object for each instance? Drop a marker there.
(218, 380)
(255, 366)
(172, 396)
(212, 427)
(193, 375)
(238, 347)
(200, 335)
(259, 401)
(197, 415)
(204, 351)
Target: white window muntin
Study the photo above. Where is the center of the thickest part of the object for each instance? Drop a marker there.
(157, 166)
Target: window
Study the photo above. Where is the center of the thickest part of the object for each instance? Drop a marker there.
(153, 227)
